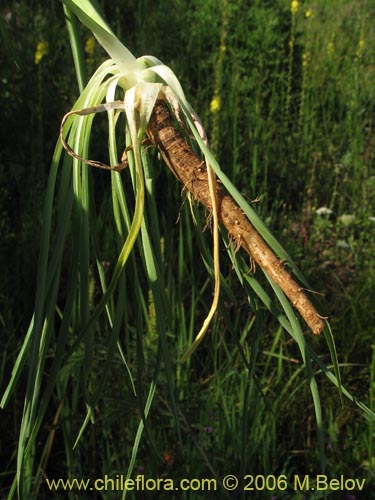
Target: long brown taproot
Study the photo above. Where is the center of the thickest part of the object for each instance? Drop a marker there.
(189, 169)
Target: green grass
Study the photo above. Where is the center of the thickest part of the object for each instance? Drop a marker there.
(294, 129)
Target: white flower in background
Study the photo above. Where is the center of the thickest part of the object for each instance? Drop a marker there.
(343, 244)
(324, 211)
(347, 219)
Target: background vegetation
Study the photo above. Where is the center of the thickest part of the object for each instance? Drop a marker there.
(286, 92)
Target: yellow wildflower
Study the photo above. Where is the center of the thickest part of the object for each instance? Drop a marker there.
(361, 44)
(215, 104)
(41, 51)
(223, 48)
(90, 46)
(294, 6)
(308, 13)
(305, 58)
(330, 48)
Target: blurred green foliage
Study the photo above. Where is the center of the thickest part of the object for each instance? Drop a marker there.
(295, 129)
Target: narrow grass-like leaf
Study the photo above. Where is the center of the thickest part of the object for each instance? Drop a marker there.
(89, 13)
(298, 336)
(78, 56)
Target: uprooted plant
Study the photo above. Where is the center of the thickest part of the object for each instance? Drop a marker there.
(199, 179)
(157, 113)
